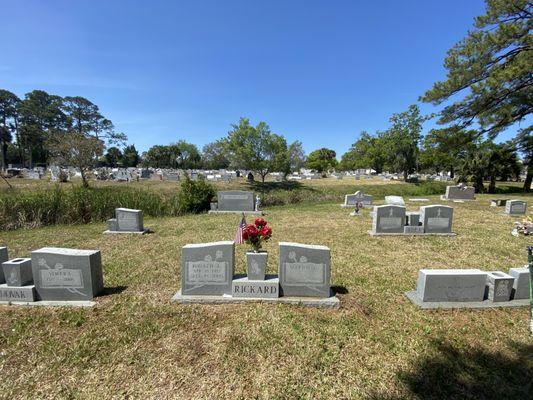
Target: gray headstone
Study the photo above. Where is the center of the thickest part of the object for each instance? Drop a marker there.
(451, 284)
(388, 219)
(265, 289)
(459, 193)
(129, 220)
(515, 207)
(395, 200)
(500, 286)
(358, 197)
(304, 270)
(436, 218)
(207, 268)
(236, 200)
(413, 218)
(67, 274)
(3, 258)
(17, 272)
(521, 282)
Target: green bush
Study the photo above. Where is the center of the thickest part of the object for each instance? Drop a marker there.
(195, 196)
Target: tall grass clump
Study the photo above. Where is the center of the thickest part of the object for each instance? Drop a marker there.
(79, 205)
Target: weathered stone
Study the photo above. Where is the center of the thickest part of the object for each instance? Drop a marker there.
(304, 270)
(17, 272)
(515, 207)
(413, 218)
(436, 218)
(244, 287)
(129, 220)
(14, 294)
(451, 284)
(3, 258)
(207, 268)
(67, 274)
(351, 200)
(498, 202)
(388, 219)
(236, 200)
(521, 282)
(459, 193)
(500, 286)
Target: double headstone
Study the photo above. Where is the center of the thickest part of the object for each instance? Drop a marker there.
(515, 207)
(126, 221)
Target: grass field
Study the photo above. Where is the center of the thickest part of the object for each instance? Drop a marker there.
(135, 344)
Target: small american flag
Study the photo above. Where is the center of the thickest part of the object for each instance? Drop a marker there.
(240, 229)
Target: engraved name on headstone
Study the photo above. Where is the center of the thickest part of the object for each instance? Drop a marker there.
(207, 268)
(304, 270)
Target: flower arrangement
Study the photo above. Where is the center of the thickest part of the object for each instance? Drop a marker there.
(524, 227)
(257, 233)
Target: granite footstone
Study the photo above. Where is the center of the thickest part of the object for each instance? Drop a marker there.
(451, 285)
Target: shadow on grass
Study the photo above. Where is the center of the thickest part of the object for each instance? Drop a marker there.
(475, 374)
(108, 291)
(265, 187)
(339, 289)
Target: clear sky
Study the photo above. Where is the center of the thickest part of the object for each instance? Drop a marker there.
(315, 70)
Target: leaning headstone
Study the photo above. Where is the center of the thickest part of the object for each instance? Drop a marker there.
(521, 282)
(388, 219)
(459, 192)
(498, 202)
(67, 274)
(3, 258)
(515, 207)
(304, 270)
(17, 272)
(500, 286)
(451, 285)
(207, 268)
(394, 200)
(436, 218)
(126, 221)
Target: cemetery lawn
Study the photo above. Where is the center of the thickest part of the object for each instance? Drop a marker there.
(378, 345)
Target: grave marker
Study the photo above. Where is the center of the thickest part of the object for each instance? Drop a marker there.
(436, 218)
(515, 207)
(388, 219)
(451, 285)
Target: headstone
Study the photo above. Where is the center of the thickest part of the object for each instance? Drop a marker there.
(394, 200)
(515, 207)
(3, 258)
(207, 268)
(17, 272)
(304, 270)
(236, 200)
(126, 220)
(357, 197)
(264, 289)
(436, 218)
(521, 282)
(500, 286)
(67, 274)
(388, 219)
(451, 284)
(460, 192)
(413, 230)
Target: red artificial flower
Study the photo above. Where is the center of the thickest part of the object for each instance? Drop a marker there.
(266, 231)
(260, 222)
(250, 231)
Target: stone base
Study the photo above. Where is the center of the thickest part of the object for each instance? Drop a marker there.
(419, 200)
(411, 234)
(143, 232)
(49, 303)
(236, 212)
(329, 302)
(23, 294)
(430, 305)
(443, 197)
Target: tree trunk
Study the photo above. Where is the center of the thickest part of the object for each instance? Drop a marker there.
(452, 172)
(478, 183)
(529, 177)
(84, 178)
(492, 184)
(405, 176)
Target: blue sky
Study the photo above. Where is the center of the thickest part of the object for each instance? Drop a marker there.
(317, 71)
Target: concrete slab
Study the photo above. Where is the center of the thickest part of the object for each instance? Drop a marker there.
(428, 305)
(50, 303)
(411, 234)
(236, 212)
(329, 302)
(144, 232)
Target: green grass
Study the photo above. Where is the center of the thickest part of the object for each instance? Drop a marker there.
(135, 344)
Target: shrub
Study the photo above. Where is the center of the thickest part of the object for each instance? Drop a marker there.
(195, 196)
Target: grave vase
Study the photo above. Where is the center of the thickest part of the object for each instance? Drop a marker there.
(256, 264)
